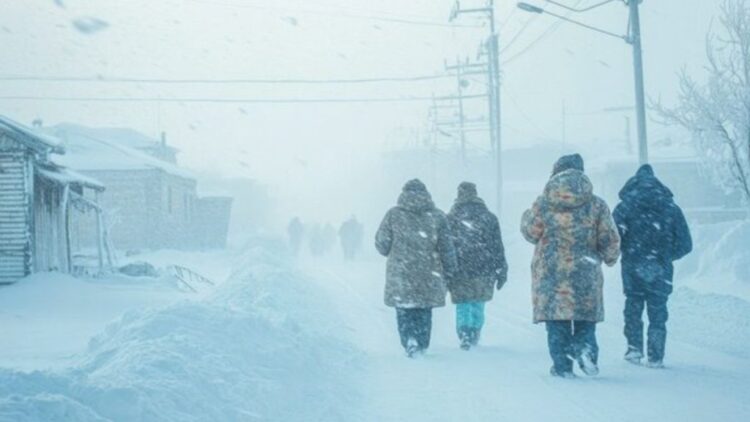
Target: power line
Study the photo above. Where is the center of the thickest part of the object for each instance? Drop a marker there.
(549, 31)
(219, 100)
(533, 44)
(520, 31)
(288, 81)
(581, 10)
(526, 117)
(518, 34)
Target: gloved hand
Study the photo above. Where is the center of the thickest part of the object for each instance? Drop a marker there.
(500, 283)
(501, 276)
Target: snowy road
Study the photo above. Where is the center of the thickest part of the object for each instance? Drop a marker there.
(313, 342)
(507, 377)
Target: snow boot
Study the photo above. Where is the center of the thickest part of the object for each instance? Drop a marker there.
(474, 338)
(655, 364)
(558, 374)
(412, 348)
(633, 355)
(465, 344)
(464, 336)
(587, 365)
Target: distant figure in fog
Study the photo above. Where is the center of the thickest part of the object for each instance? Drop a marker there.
(654, 234)
(574, 233)
(295, 230)
(415, 237)
(350, 235)
(481, 262)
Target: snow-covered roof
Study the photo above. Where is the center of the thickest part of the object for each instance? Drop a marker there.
(33, 138)
(93, 153)
(66, 176)
(122, 136)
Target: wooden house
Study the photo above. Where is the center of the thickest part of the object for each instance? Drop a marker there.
(37, 201)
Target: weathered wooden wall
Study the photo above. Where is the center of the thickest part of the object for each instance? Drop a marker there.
(15, 225)
(50, 228)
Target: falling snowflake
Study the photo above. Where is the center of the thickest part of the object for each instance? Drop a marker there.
(89, 25)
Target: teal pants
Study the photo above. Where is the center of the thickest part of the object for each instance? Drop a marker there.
(469, 316)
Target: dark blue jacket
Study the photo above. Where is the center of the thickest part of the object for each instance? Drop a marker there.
(654, 234)
(477, 240)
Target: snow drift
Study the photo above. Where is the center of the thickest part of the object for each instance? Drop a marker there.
(720, 262)
(261, 347)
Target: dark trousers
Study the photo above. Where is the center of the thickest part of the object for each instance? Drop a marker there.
(414, 324)
(656, 308)
(567, 340)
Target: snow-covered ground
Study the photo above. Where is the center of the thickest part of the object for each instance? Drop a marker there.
(258, 347)
(47, 318)
(707, 376)
(721, 263)
(283, 341)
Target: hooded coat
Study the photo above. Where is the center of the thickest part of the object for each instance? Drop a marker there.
(654, 233)
(415, 238)
(574, 233)
(479, 248)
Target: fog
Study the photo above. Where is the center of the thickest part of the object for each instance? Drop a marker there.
(321, 160)
(208, 210)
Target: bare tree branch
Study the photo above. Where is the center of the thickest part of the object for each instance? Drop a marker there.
(717, 112)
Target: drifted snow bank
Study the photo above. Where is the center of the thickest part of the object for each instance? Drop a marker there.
(725, 317)
(712, 289)
(264, 346)
(720, 262)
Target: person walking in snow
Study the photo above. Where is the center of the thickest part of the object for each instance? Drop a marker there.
(481, 261)
(415, 237)
(654, 234)
(574, 233)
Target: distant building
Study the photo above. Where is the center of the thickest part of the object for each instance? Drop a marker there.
(38, 201)
(126, 137)
(212, 232)
(151, 202)
(252, 204)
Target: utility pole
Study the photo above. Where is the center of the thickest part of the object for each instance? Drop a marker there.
(461, 117)
(633, 38)
(461, 70)
(640, 95)
(440, 126)
(433, 141)
(493, 82)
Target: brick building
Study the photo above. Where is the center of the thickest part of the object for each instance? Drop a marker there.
(151, 203)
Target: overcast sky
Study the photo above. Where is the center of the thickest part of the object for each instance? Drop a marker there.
(282, 144)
